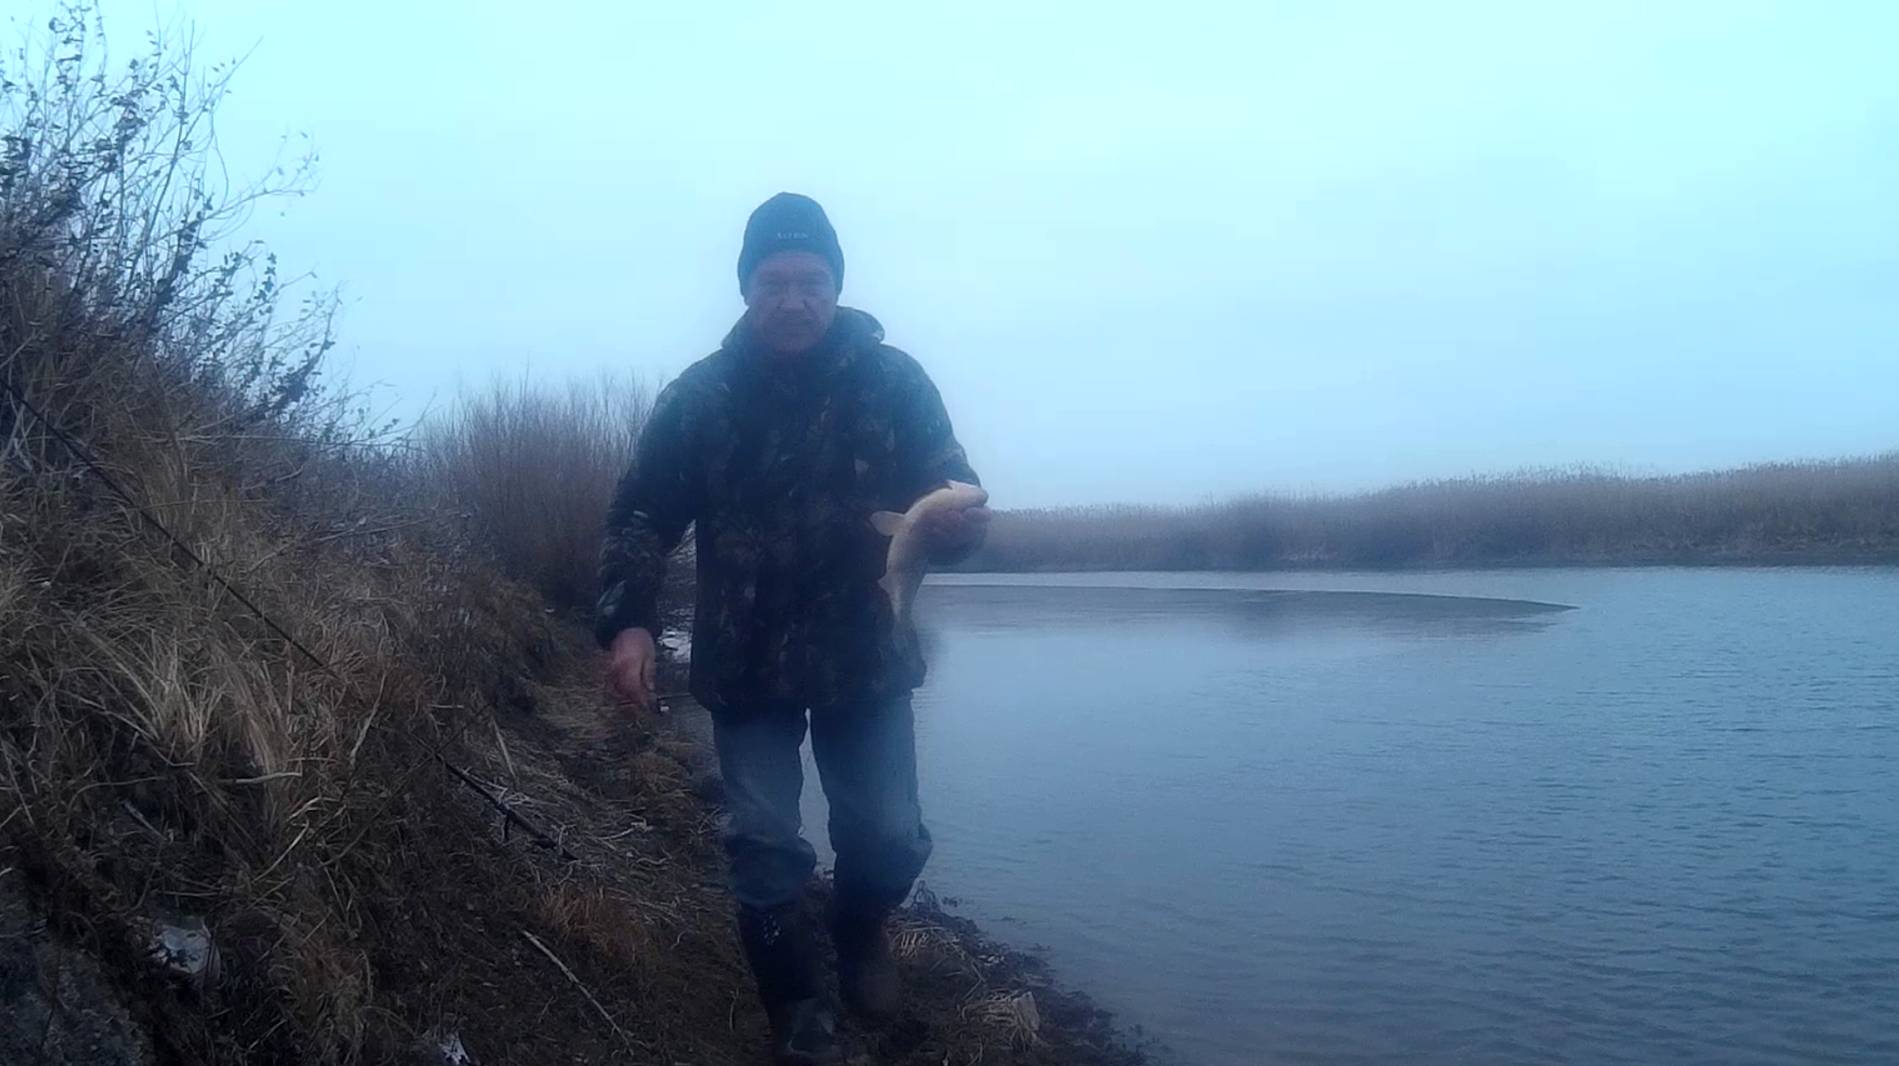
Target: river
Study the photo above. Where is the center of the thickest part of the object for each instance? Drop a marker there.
(1590, 816)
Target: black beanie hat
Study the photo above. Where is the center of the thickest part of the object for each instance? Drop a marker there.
(789, 223)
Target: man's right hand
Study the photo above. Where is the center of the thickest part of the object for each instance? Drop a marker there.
(631, 667)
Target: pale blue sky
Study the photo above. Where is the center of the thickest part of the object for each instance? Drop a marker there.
(1148, 251)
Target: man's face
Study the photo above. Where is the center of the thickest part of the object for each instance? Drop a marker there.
(791, 300)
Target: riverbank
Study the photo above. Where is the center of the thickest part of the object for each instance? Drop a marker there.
(1836, 512)
(332, 788)
(642, 793)
(303, 754)
(970, 998)
(565, 902)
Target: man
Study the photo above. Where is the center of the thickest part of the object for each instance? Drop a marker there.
(777, 448)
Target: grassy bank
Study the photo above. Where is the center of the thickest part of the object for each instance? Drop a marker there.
(1798, 512)
(280, 683)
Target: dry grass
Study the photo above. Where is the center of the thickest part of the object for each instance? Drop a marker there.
(612, 922)
(533, 468)
(1013, 1015)
(168, 758)
(163, 753)
(1845, 510)
(998, 1004)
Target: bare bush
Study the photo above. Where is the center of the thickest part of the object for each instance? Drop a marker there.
(118, 228)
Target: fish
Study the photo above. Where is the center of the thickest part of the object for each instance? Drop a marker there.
(908, 557)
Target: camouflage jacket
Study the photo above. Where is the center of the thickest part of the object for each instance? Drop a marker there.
(778, 466)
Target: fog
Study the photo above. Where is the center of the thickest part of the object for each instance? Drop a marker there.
(1152, 253)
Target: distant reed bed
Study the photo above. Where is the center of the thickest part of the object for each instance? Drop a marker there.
(1844, 510)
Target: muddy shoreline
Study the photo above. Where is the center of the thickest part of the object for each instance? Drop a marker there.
(969, 998)
(969, 994)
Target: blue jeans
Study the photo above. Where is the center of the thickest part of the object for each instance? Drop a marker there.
(867, 762)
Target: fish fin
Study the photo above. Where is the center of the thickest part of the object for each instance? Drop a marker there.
(886, 522)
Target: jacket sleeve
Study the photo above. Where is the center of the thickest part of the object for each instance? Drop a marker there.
(651, 509)
(934, 456)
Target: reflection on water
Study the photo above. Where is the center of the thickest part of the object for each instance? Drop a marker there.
(1275, 823)
(1246, 613)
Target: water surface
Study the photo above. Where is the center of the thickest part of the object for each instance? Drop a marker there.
(1344, 818)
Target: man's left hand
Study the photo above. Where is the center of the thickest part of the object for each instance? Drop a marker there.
(954, 532)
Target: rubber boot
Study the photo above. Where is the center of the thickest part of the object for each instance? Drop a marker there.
(784, 961)
(866, 972)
